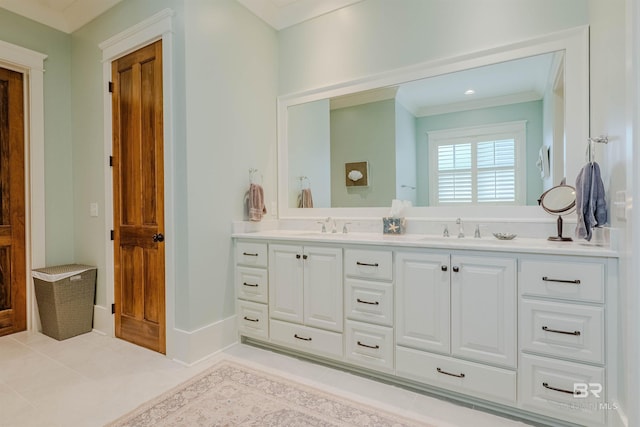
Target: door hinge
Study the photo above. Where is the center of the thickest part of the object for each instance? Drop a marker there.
(113, 235)
(111, 161)
(110, 87)
(113, 309)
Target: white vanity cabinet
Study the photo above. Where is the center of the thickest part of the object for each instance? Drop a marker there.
(252, 289)
(562, 332)
(530, 331)
(306, 297)
(369, 308)
(464, 308)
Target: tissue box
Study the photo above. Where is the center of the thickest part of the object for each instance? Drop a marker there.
(392, 225)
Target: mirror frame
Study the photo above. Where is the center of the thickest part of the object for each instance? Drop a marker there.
(574, 42)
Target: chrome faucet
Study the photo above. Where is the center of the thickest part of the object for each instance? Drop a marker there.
(477, 232)
(345, 230)
(445, 232)
(460, 228)
(324, 226)
(333, 224)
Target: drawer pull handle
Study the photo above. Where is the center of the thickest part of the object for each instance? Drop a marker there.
(250, 319)
(375, 347)
(575, 393)
(298, 256)
(367, 264)
(573, 282)
(444, 267)
(301, 338)
(253, 285)
(456, 269)
(576, 333)
(440, 371)
(361, 301)
(248, 254)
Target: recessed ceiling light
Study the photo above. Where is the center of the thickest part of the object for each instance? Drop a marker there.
(469, 92)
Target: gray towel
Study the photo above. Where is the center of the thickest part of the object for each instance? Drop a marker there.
(590, 200)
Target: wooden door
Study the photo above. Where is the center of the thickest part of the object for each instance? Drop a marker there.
(13, 275)
(138, 191)
(423, 301)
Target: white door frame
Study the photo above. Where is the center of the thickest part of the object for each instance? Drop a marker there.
(31, 65)
(157, 27)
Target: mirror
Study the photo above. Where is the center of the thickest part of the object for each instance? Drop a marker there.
(559, 200)
(406, 127)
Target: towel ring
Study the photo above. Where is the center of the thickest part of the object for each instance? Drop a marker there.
(252, 176)
(302, 180)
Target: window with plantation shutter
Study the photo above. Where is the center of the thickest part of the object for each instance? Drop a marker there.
(478, 165)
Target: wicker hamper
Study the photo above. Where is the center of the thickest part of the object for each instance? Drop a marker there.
(65, 296)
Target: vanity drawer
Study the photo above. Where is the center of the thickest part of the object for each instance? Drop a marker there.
(369, 301)
(547, 386)
(370, 346)
(368, 264)
(486, 382)
(251, 253)
(575, 281)
(252, 284)
(253, 319)
(304, 338)
(564, 330)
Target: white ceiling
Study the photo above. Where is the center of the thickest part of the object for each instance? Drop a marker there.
(63, 15)
(70, 15)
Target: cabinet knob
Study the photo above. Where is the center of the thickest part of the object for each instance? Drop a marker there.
(297, 256)
(444, 268)
(456, 268)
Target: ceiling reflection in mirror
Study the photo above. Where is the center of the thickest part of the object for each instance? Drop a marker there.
(443, 140)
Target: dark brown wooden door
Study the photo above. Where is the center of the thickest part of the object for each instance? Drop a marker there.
(138, 190)
(13, 274)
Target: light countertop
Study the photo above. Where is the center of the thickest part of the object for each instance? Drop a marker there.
(488, 242)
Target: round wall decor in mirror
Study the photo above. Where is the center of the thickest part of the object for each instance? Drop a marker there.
(559, 200)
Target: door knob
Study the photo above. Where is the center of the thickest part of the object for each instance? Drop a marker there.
(158, 237)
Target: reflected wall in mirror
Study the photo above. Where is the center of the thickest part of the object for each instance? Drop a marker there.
(427, 141)
(469, 137)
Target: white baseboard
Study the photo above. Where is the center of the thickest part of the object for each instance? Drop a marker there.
(102, 320)
(191, 347)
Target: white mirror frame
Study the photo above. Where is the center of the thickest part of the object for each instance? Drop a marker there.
(575, 43)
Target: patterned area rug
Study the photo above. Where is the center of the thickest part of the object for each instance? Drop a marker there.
(230, 394)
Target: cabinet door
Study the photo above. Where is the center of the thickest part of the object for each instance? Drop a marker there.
(323, 300)
(422, 301)
(286, 279)
(483, 309)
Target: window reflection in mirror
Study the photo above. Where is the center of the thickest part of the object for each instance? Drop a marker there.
(394, 129)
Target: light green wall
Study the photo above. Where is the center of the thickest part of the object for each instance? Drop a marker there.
(364, 133)
(376, 36)
(58, 151)
(88, 90)
(529, 111)
(310, 152)
(224, 75)
(406, 142)
(231, 74)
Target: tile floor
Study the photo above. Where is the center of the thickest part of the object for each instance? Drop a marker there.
(91, 379)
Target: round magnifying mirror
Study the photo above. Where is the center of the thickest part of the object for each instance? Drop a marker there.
(559, 200)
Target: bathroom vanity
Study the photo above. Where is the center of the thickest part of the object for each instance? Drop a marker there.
(526, 327)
